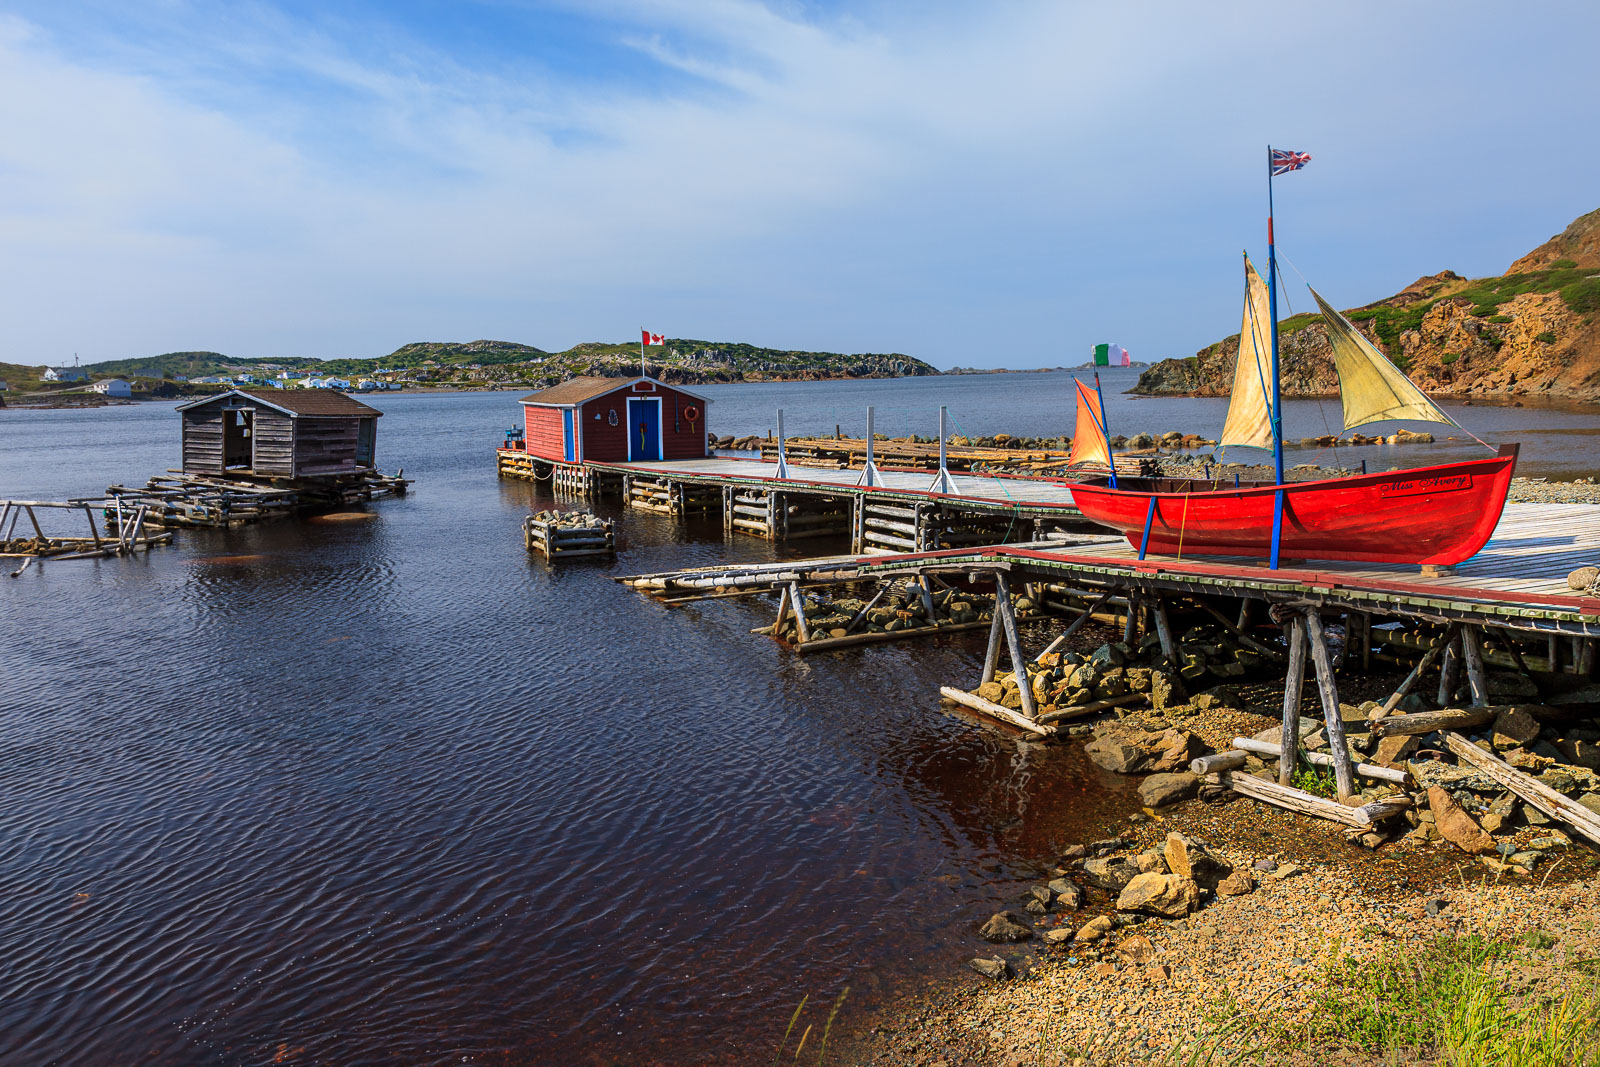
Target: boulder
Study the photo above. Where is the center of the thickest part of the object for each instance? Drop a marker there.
(1167, 895)
(1394, 751)
(1068, 895)
(1189, 858)
(1455, 825)
(1164, 691)
(1004, 927)
(1159, 790)
(1236, 884)
(1110, 874)
(992, 967)
(1093, 930)
(1582, 753)
(1513, 728)
(1058, 935)
(1588, 800)
(1136, 949)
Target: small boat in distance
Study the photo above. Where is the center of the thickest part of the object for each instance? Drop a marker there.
(1439, 515)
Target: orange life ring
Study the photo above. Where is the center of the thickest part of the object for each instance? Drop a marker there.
(691, 413)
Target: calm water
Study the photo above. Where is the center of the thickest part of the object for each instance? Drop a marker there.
(391, 791)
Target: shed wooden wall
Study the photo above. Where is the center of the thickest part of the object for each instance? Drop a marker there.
(273, 437)
(202, 440)
(324, 445)
(541, 429)
(680, 438)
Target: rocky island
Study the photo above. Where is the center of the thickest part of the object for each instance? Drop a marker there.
(1533, 331)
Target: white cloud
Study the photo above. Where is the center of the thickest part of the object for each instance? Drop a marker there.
(927, 179)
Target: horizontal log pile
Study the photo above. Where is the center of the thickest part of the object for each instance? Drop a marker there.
(904, 609)
(568, 534)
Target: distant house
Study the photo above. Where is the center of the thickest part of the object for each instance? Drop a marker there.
(213, 379)
(113, 387)
(180, 377)
(4, 386)
(63, 374)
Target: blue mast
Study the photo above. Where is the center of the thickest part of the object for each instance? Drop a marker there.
(1102, 423)
(1272, 304)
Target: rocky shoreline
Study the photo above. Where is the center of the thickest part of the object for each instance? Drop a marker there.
(1209, 908)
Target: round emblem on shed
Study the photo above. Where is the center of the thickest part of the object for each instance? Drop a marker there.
(612, 418)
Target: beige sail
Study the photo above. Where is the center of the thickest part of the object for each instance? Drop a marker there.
(1250, 411)
(1371, 387)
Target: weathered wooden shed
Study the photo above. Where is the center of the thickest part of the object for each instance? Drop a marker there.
(614, 419)
(280, 433)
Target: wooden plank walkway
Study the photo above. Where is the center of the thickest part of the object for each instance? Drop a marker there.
(991, 491)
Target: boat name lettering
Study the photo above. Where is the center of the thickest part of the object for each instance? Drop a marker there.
(1444, 483)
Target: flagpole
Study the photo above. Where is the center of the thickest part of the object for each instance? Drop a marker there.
(1272, 305)
(1104, 424)
(645, 374)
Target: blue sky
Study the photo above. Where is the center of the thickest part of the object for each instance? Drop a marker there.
(979, 184)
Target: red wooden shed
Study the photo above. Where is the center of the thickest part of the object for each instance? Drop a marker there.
(612, 420)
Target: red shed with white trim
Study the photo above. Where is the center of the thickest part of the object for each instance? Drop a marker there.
(611, 420)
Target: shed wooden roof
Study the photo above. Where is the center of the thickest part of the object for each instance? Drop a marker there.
(316, 403)
(575, 391)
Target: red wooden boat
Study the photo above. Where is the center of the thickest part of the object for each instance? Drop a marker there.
(1437, 515)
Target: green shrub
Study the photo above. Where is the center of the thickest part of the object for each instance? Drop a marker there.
(1547, 337)
(1582, 296)
(1563, 264)
(1449, 357)
(1499, 318)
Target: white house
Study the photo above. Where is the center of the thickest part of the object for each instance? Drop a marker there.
(63, 374)
(4, 387)
(113, 387)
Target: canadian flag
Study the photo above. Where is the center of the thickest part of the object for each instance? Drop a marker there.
(654, 338)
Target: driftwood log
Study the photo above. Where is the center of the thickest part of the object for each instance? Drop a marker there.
(1426, 722)
(1321, 759)
(1298, 800)
(1527, 787)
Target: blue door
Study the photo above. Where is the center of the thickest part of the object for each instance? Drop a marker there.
(568, 451)
(644, 430)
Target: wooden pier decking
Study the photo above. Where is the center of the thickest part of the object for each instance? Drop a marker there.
(1517, 582)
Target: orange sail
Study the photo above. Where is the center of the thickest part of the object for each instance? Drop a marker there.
(1089, 442)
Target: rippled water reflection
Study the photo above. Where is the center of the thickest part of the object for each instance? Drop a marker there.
(390, 791)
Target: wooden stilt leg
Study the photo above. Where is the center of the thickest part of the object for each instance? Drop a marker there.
(1295, 682)
(1343, 773)
(1449, 673)
(991, 658)
(1002, 608)
(802, 631)
(1130, 624)
(1472, 653)
(1169, 649)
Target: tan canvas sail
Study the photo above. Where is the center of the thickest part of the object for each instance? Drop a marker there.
(1250, 411)
(1089, 442)
(1371, 387)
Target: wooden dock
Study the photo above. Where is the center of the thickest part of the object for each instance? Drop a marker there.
(899, 513)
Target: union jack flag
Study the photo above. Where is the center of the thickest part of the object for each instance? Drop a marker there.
(1283, 160)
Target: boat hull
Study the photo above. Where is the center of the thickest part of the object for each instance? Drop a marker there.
(1435, 515)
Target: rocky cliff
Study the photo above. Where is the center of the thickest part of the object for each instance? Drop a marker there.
(1533, 331)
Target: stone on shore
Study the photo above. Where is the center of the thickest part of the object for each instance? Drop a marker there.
(1159, 790)
(1167, 895)
(992, 967)
(1068, 893)
(1513, 728)
(1455, 825)
(1136, 949)
(1003, 927)
(1188, 858)
(1237, 884)
(1093, 930)
(1110, 874)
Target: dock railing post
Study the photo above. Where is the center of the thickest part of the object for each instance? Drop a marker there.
(783, 460)
(869, 473)
(943, 483)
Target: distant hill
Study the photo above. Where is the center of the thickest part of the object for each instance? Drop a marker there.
(1533, 331)
(509, 363)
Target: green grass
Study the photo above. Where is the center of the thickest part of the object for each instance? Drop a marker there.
(1547, 337)
(1449, 357)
